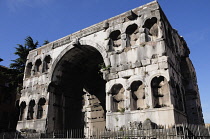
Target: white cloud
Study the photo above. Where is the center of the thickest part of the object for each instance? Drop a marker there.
(15, 5)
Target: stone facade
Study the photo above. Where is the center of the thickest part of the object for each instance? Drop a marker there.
(122, 71)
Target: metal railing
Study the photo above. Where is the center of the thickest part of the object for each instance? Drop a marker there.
(183, 131)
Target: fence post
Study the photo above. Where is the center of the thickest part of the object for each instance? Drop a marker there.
(175, 130)
(187, 130)
(166, 133)
(183, 130)
(16, 135)
(199, 133)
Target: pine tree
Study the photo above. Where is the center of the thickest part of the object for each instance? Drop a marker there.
(22, 52)
(18, 64)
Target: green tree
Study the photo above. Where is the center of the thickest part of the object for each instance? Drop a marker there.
(22, 52)
(13, 76)
(9, 76)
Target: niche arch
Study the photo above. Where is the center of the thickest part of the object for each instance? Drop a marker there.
(46, 63)
(159, 91)
(28, 70)
(31, 105)
(137, 90)
(37, 67)
(151, 28)
(41, 108)
(117, 92)
(132, 35)
(22, 110)
(115, 40)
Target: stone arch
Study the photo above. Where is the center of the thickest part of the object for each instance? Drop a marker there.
(151, 28)
(115, 40)
(76, 69)
(97, 46)
(31, 105)
(37, 66)
(28, 70)
(132, 35)
(118, 97)
(46, 63)
(160, 91)
(132, 79)
(137, 95)
(41, 108)
(22, 110)
(100, 48)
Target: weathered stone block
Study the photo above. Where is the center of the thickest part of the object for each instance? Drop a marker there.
(162, 59)
(163, 65)
(142, 38)
(154, 61)
(145, 62)
(112, 76)
(140, 71)
(138, 64)
(122, 58)
(126, 73)
(113, 69)
(150, 68)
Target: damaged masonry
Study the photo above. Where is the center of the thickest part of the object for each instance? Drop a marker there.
(122, 71)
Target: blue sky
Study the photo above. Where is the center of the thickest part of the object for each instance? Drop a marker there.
(53, 19)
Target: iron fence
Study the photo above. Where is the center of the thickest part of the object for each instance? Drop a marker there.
(183, 131)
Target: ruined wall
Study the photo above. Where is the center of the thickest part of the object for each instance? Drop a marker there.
(121, 71)
(186, 96)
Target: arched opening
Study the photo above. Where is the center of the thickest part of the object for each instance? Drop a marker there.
(77, 80)
(138, 95)
(40, 108)
(132, 34)
(28, 70)
(37, 66)
(117, 92)
(46, 63)
(160, 91)
(151, 29)
(31, 105)
(22, 110)
(115, 40)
